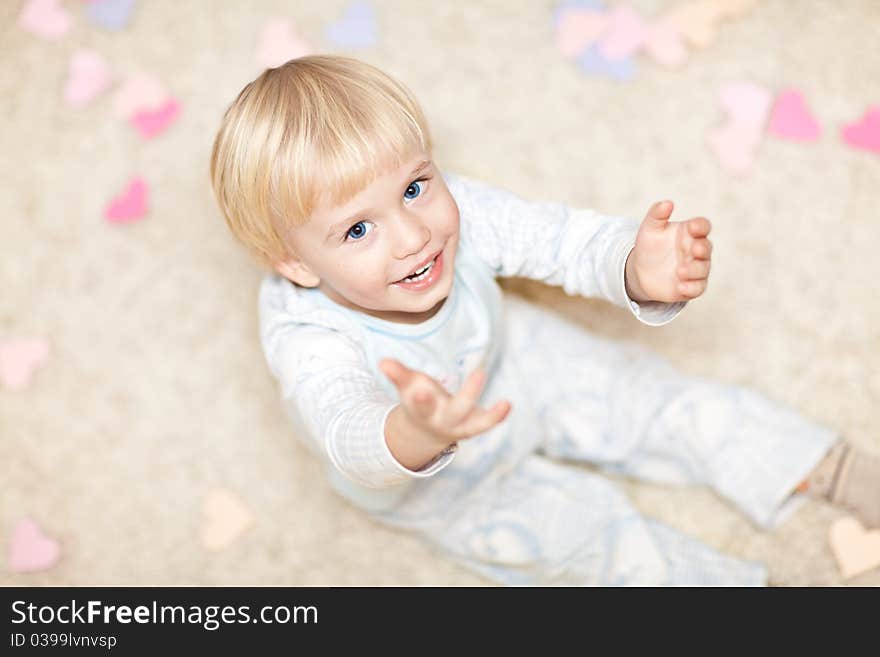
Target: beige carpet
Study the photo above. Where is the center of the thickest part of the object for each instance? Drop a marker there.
(156, 390)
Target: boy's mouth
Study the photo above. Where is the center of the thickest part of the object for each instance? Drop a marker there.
(421, 271)
(423, 278)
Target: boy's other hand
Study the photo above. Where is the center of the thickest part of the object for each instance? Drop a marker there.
(431, 408)
(671, 259)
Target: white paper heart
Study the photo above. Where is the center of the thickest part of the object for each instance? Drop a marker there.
(856, 549)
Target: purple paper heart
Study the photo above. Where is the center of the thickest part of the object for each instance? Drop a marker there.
(575, 4)
(110, 14)
(591, 61)
(356, 29)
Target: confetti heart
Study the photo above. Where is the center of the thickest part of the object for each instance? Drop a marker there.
(663, 44)
(624, 35)
(696, 21)
(577, 29)
(130, 205)
(865, 133)
(45, 18)
(225, 518)
(280, 43)
(594, 5)
(110, 14)
(30, 550)
(139, 92)
(746, 102)
(150, 123)
(735, 144)
(733, 8)
(791, 119)
(856, 549)
(88, 75)
(590, 61)
(356, 29)
(19, 359)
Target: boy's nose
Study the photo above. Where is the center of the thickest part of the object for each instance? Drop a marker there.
(412, 237)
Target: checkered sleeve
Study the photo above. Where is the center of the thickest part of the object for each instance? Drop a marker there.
(580, 250)
(325, 380)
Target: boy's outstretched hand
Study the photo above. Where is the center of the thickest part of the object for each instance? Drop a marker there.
(671, 259)
(447, 418)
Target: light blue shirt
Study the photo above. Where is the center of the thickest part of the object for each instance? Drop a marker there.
(325, 356)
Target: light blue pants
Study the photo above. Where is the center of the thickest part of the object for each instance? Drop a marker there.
(510, 508)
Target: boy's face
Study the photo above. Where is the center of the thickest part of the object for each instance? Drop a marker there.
(357, 253)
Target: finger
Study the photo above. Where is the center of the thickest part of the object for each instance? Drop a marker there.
(701, 249)
(400, 375)
(694, 270)
(660, 212)
(699, 227)
(482, 421)
(692, 289)
(464, 400)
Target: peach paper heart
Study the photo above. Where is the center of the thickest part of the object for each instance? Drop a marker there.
(88, 75)
(19, 359)
(45, 18)
(578, 28)
(865, 133)
(151, 123)
(696, 22)
(30, 550)
(225, 519)
(137, 93)
(856, 549)
(663, 44)
(131, 204)
(279, 43)
(791, 118)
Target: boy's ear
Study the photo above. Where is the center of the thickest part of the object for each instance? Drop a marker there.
(298, 272)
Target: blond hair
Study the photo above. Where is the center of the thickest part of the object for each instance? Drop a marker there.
(317, 129)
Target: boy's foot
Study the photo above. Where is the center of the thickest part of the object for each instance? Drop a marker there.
(849, 478)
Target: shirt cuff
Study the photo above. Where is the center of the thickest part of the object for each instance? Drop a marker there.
(434, 466)
(652, 313)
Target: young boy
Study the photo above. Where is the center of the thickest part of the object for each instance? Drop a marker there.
(439, 405)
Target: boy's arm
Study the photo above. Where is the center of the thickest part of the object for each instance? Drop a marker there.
(349, 417)
(580, 250)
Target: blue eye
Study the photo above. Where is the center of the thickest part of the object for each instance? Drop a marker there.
(414, 188)
(357, 233)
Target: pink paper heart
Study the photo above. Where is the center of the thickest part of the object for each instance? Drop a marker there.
(578, 29)
(735, 144)
(45, 18)
(150, 123)
(88, 76)
(19, 359)
(791, 118)
(279, 43)
(864, 134)
(130, 205)
(746, 102)
(624, 35)
(139, 92)
(30, 550)
(664, 45)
